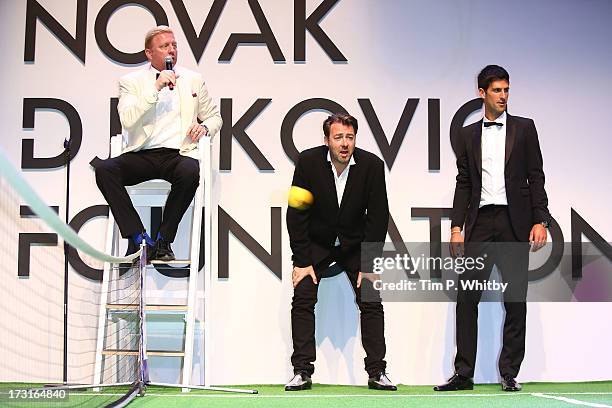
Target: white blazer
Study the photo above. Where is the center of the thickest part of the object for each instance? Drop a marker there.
(137, 100)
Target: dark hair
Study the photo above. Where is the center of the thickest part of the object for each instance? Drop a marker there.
(344, 118)
(491, 73)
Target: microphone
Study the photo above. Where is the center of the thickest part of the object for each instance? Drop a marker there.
(168, 61)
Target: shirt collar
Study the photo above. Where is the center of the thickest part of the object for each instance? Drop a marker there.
(351, 161)
(500, 119)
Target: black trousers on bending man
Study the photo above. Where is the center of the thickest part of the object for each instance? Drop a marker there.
(303, 324)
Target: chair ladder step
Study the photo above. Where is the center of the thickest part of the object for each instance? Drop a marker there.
(150, 353)
(152, 307)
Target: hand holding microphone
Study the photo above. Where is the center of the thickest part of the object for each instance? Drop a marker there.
(168, 61)
(167, 77)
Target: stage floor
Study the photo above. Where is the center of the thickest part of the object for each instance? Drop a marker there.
(590, 394)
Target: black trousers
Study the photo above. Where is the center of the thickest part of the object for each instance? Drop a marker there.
(303, 325)
(183, 173)
(493, 235)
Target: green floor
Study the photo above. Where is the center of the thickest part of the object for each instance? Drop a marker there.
(595, 394)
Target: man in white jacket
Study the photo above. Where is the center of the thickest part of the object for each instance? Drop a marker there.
(163, 113)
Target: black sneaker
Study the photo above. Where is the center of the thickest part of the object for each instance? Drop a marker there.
(162, 251)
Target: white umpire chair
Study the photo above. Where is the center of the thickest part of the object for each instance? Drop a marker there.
(153, 194)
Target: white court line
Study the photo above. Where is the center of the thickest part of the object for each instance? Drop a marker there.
(572, 401)
(505, 394)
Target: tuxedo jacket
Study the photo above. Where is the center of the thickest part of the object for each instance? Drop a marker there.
(523, 174)
(363, 215)
(138, 98)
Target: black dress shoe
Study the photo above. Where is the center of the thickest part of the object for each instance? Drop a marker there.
(299, 382)
(162, 251)
(508, 383)
(381, 382)
(456, 383)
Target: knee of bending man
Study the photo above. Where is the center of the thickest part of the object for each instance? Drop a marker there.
(371, 306)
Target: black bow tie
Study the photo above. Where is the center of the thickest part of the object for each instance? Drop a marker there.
(489, 124)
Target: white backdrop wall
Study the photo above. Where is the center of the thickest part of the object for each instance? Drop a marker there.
(559, 58)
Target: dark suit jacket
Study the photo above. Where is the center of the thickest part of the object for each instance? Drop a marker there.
(523, 173)
(363, 215)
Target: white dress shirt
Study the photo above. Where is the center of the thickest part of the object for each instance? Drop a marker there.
(167, 131)
(493, 162)
(340, 181)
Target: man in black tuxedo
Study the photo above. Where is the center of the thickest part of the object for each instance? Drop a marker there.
(350, 207)
(500, 198)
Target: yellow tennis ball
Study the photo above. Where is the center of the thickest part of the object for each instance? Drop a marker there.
(300, 198)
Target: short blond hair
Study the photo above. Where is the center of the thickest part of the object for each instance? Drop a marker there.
(155, 31)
